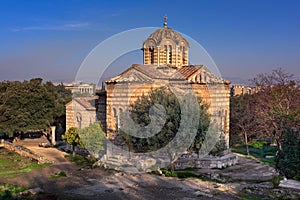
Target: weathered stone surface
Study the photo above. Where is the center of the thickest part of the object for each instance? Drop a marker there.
(206, 162)
(293, 184)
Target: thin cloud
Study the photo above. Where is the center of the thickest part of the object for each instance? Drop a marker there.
(62, 27)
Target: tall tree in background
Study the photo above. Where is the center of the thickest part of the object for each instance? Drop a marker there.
(243, 121)
(278, 103)
(31, 105)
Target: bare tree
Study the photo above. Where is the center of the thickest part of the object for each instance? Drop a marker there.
(243, 121)
(278, 104)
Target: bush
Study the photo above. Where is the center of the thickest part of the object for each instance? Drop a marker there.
(169, 173)
(288, 159)
(220, 147)
(257, 145)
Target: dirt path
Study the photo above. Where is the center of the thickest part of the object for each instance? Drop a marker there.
(50, 153)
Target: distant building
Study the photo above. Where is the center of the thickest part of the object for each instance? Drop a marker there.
(81, 89)
(236, 90)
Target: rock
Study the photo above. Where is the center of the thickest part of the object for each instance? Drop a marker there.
(270, 156)
(159, 171)
(119, 174)
(290, 184)
(97, 164)
(150, 162)
(109, 190)
(33, 191)
(200, 193)
(105, 166)
(266, 185)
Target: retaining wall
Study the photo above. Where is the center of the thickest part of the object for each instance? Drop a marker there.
(23, 151)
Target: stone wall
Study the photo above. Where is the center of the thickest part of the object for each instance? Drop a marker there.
(121, 95)
(23, 151)
(79, 116)
(119, 98)
(101, 110)
(70, 119)
(206, 162)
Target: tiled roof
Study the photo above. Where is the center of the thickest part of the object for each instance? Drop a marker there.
(156, 72)
(148, 73)
(187, 71)
(89, 103)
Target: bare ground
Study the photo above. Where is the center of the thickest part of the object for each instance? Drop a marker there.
(102, 184)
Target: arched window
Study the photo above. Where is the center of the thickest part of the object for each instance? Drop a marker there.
(78, 119)
(115, 117)
(183, 55)
(115, 112)
(151, 49)
(120, 118)
(170, 55)
(165, 54)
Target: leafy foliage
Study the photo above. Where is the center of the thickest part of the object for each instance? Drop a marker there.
(72, 138)
(93, 137)
(272, 113)
(243, 121)
(140, 114)
(278, 103)
(288, 160)
(204, 122)
(219, 147)
(9, 191)
(31, 105)
(83, 161)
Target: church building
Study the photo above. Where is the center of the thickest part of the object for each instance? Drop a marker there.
(166, 61)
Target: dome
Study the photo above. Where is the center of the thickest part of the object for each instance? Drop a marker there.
(166, 47)
(167, 33)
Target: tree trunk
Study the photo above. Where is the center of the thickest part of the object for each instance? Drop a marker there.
(279, 146)
(73, 151)
(246, 143)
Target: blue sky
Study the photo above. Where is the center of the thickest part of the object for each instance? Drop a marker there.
(50, 39)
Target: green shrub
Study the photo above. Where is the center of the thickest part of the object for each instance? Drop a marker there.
(276, 180)
(83, 161)
(57, 175)
(257, 145)
(287, 160)
(169, 173)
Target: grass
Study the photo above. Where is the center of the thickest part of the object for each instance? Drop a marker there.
(244, 195)
(57, 175)
(12, 164)
(258, 151)
(185, 173)
(81, 161)
(8, 191)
